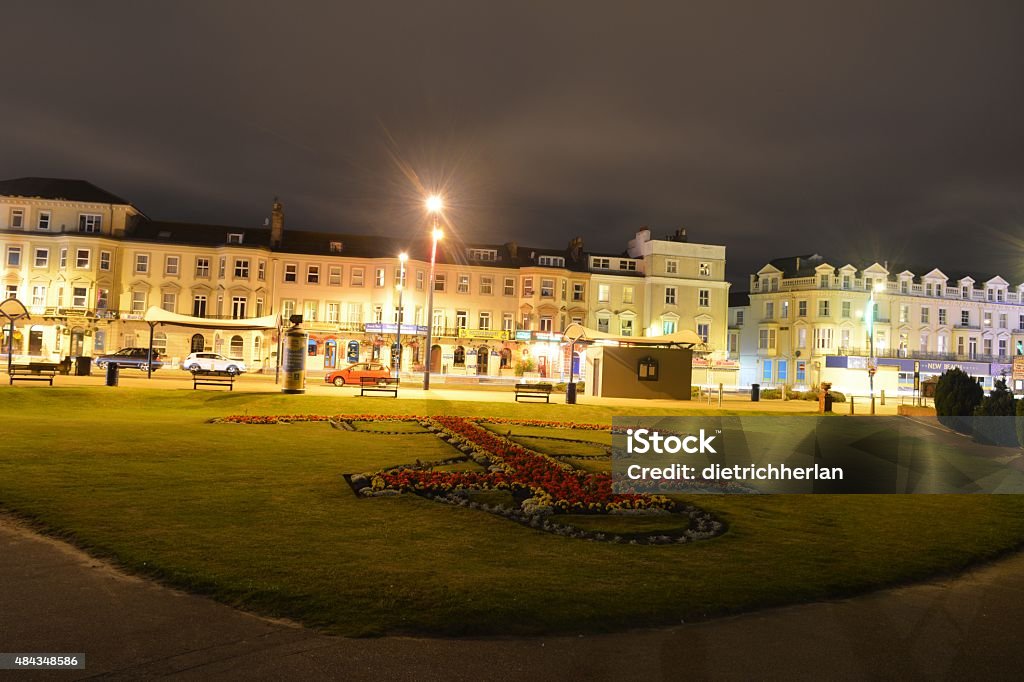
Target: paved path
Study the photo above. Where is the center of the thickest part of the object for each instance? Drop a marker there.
(54, 598)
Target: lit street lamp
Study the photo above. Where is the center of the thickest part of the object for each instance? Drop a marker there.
(871, 336)
(434, 206)
(402, 257)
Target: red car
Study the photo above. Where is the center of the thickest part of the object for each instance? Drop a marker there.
(353, 373)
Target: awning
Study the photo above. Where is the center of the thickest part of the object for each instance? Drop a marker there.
(577, 333)
(156, 315)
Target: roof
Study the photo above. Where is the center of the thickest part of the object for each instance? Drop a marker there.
(804, 266)
(577, 333)
(59, 189)
(157, 315)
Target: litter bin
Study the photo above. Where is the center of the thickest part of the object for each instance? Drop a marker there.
(112, 374)
(82, 366)
(570, 393)
(755, 392)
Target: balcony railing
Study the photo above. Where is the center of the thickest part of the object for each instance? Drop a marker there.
(908, 354)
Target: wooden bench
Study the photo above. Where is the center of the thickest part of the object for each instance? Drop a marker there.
(213, 377)
(534, 391)
(34, 371)
(378, 385)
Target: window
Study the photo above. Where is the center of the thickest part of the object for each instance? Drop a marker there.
(846, 281)
(801, 371)
(199, 305)
(965, 318)
(90, 222)
(670, 295)
(79, 297)
(627, 295)
(459, 356)
(672, 267)
(378, 277)
(160, 343)
(734, 343)
(141, 262)
(462, 284)
(528, 287)
(12, 291)
(647, 369)
(603, 293)
(104, 260)
(482, 254)
(336, 247)
(259, 309)
(668, 327)
(333, 314)
(925, 315)
(546, 324)
(577, 291)
(988, 319)
(311, 310)
(904, 314)
(844, 338)
(261, 272)
(13, 256)
(241, 268)
(169, 301)
(785, 310)
(235, 237)
(17, 218)
(42, 258)
(822, 338)
(601, 263)
(203, 267)
(783, 371)
(486, 285)
(904, 287)
(769, 310)
(942, 316)
(1002, 320)
(508, 322)
(171, 265)
(82, 259)
(964, 291)
(287, 309)
(704, 298)
(739, 318)
(238, 304)
(846, 310)
(138, 301)
(291, 272)
(801, 308)
(823, 308)
(602, 324)
(485, 320)
(356, 277)
(564, 286)
(440, 281)
(704, 331)
(43, 220)
(551, 261)
(766, 339)
(39, 296)
(924, 343)
(312, 274)
(334, 276)
(629, 265)
(547, 288)
(461, 319)
(822, 283)
(766, 371)
(801, 337)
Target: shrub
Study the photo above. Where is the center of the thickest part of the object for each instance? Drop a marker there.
(994, 418)
(523, 366)
(956, 396)
(771, 394)
(838, 397)
(695, 392)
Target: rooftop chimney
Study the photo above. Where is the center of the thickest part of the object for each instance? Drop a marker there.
(276, 224)
(513, 250)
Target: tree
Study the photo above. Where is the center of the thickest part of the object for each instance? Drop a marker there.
(956, 396)
(994, 418)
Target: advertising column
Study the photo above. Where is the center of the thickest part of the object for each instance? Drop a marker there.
(295, 343)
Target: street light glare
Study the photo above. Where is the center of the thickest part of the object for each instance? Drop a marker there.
(438, 233)
(435, 203)
(879, 287)
(403, 256)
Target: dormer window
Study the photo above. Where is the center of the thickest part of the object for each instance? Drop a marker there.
(490, 255)
(336, 247)
(551, 261)
(235, 237)
(627, 265)
(600, 263)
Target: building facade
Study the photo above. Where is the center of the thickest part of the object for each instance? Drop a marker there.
(88, 265)
(807, 320)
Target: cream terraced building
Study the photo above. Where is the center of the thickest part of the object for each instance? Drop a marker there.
(805, 320)
(88, 264)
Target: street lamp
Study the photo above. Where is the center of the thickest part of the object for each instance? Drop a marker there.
(402, 257)
(871, 336)
(435, 204)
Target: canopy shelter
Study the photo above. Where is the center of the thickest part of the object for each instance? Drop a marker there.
(577, 333)
(156, 316)
(11, 310)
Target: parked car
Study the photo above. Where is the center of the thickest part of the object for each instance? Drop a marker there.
(353, 373)
(215, 362)
(131, 357)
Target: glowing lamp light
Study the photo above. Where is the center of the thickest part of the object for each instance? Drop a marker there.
(435, 203)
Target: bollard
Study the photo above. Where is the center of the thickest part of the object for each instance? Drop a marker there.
(872, 404)
(851, 404)
(883, 396)
(720, 391)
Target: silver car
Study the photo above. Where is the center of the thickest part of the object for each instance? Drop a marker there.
(212, 362)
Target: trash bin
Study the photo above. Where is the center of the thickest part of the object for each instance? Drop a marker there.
(755, 392)
(112, 374)
(570, 393)
(82, 366)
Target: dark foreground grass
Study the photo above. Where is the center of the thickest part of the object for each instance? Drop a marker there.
(259, 516)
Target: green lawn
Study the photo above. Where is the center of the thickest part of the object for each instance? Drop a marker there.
(259, 516)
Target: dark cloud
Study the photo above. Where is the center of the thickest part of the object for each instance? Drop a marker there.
(774, 128)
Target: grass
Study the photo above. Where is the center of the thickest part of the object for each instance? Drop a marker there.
(259, 516)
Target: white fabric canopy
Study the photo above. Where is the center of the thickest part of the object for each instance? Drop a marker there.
(685, 338)
(157, 315)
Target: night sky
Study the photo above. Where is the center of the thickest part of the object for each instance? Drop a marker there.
(861, 129)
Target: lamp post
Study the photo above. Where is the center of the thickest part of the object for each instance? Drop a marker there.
(871, 336)
(434, 206)
(402, 257)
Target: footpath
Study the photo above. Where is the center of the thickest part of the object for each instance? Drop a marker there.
(56, 599)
